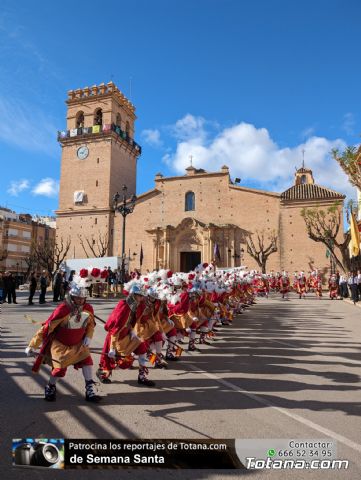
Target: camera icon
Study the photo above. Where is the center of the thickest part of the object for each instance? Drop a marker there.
(40, 454)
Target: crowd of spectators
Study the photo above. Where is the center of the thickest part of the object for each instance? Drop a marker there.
(349, 285)
(60, 283)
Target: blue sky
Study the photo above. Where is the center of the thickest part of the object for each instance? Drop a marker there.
(247, 84)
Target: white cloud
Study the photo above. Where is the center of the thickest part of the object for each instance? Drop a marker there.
(18, 186)
(47, 187)
(189, 128)
(27, 127)
(152, 137)
(348, 123)
(253, 155)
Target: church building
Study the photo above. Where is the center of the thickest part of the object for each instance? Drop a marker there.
(183, 220)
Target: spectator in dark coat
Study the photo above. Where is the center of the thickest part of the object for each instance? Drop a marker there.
(353, 284)
(43, 287)
(32, 288)
(72, 273)
(64, 286)
(58, 280)
(10, 287)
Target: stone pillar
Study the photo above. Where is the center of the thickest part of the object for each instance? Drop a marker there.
(225, 248)
(232, 247)
(211, 245)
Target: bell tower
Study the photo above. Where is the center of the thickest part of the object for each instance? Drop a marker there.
(99, 156)
(303, 176)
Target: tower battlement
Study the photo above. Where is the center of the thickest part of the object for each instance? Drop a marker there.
(101, 90)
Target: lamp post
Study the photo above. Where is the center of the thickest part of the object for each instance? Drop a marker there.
(124, 207)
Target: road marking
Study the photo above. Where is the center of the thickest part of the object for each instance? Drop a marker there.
(294, 416)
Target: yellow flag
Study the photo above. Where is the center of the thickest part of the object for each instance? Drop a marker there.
(355, 236)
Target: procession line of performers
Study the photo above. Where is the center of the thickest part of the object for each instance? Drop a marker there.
(160, 310)
(281, 282)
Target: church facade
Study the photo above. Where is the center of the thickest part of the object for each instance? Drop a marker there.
(183, 220)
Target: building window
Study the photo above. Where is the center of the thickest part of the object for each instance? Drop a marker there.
(12, 232)
(190, 203)
(96, 183)
(95, 221)
(127, 129)
(79, 123)
(118, 120)
(98, 117)
(303, 179)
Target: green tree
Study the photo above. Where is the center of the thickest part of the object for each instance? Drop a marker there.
(350, 162)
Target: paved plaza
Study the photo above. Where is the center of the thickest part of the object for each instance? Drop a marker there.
(284, 369)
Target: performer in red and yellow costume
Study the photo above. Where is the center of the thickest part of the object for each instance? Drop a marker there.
(64, 340)
(121, 340)
(301, 285)
(284, 284)
(148, 327)
(333, 286)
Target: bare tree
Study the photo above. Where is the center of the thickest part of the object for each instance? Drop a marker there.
(31, 262)
(350, 162)
(94, 247)
(324, 226)
(267, 244)
(52, 254)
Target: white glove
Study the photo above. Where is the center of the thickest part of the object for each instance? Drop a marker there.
(112, 354)
(171, 323)
(86, 341)
(164, 337)
(29, 351)
(195, 319)
(133, 335)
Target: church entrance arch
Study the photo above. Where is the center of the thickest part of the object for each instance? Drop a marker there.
(189, 260)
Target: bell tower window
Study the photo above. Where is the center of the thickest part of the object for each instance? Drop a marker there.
(79, 123)
(127, 129)
(190, 203)
(118, 120)
(98, 117)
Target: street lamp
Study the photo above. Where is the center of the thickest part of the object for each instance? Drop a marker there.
(124, 207)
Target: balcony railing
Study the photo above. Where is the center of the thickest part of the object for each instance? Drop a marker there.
(96, 130)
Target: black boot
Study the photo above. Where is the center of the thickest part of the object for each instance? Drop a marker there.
(142, 377)
(103, 378)
(191, 345)
(169, 355)
(160, 362)
(50, 392)
(203, 339)
(90, 395)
